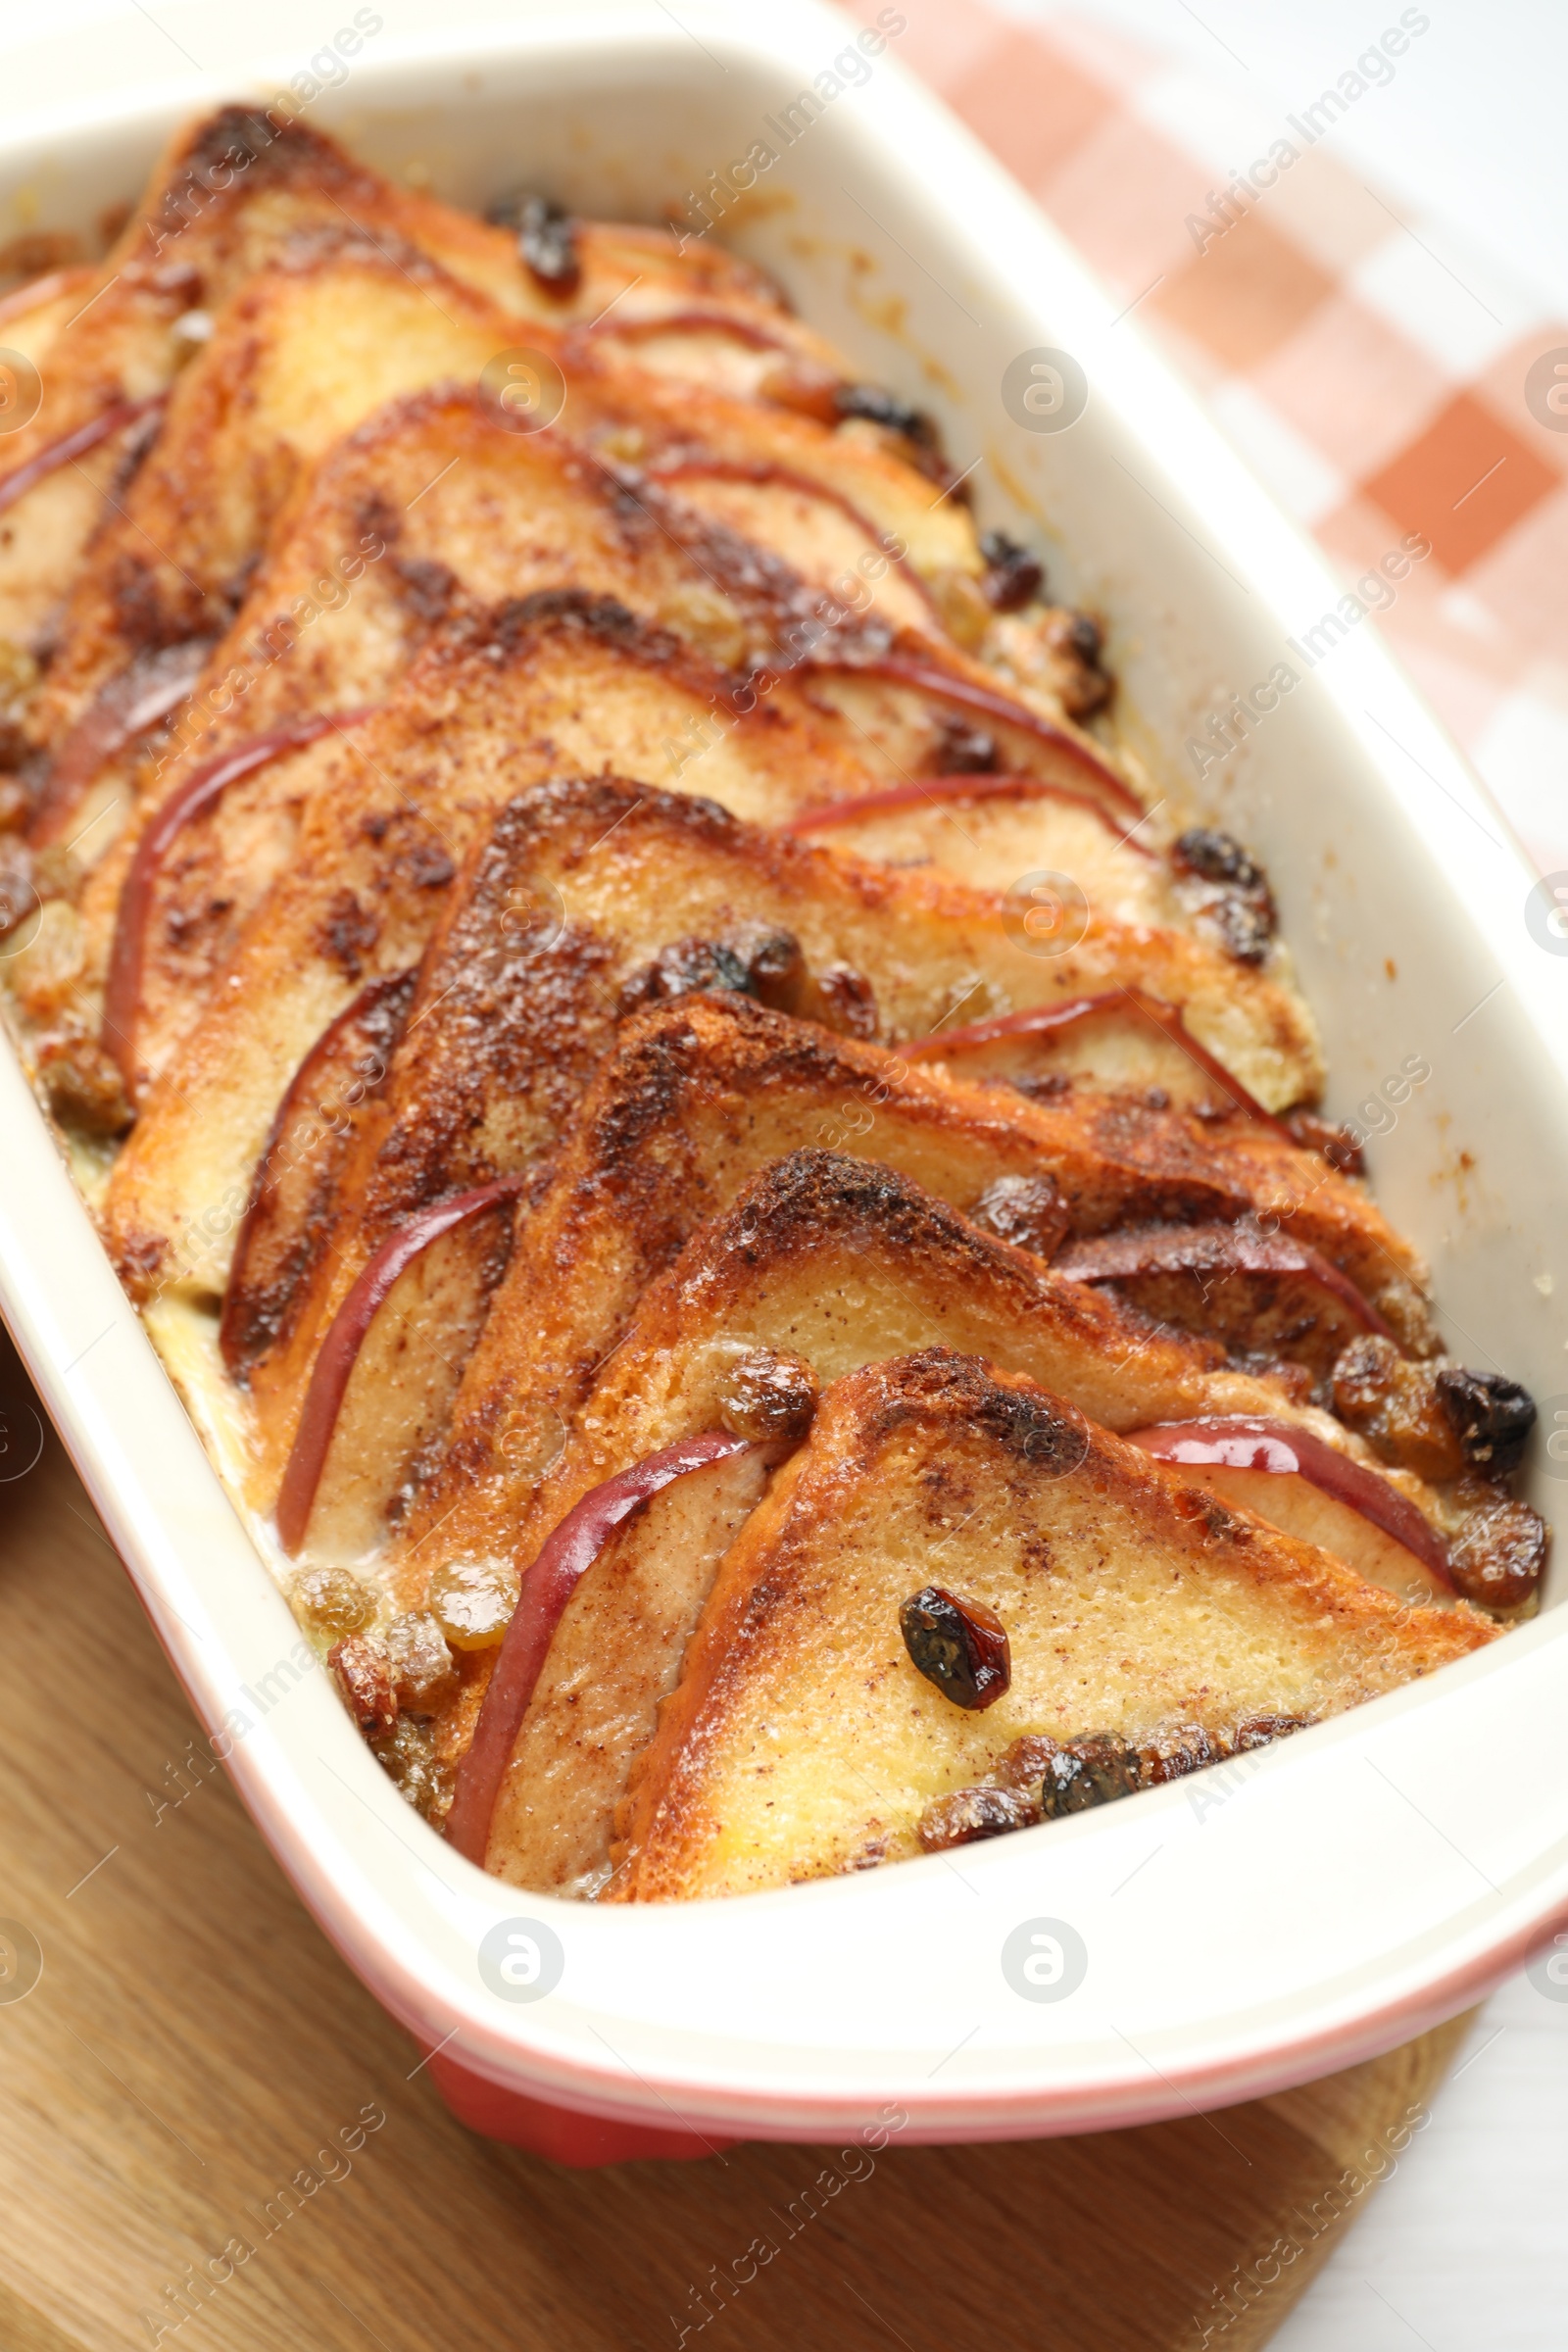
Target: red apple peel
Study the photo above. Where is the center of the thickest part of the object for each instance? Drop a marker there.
(204, 786)
(339, 1351)
(1247, 1442)
(562, 1560)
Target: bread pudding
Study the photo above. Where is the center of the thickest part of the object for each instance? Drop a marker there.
(738, 1195)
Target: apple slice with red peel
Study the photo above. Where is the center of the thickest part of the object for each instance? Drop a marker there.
(199, 792)
(744, 494)
(1308, 1489)
(927, 676)
(286, 1225)
(1262, 1293)
(1051, 1020)
(64, 449)
(582, 1540)
(128, 704)
(344, 1342)
(919, 791)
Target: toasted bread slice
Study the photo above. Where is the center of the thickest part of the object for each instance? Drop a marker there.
(552, 682)
(802, 1740)
(834, 1262)
(305, 351)
(228, 194)
(822, 1264)
(509, 514)
(400, 528)
(992, 838)
(699, 1096)
(483, 1080)
(555, 684)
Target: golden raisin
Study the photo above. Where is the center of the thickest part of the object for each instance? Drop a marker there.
(472, 1601)
(329, 1600)
(764, 1396)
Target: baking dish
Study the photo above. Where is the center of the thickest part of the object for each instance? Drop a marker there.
(1216, 1938)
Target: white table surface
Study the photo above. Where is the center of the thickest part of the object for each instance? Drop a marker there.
(1465, 2247)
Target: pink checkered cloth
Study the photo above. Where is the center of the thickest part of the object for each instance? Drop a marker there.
(1376, 390)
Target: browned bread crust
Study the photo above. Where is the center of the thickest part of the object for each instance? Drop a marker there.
(800, 1741)
(699, 1096)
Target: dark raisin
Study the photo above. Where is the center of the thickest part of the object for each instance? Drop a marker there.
(755, 960)
(849, 1001)
(1261, 1731)
(1491, 1417)
(973, 1813)
(1171, 1756)
(960, 1646)
(1088, 639)
(965, 750)
(1217, 857)
(880, 407)
(764, 1396)
(547, 240)
(1028, 1210)
(1013, 578)
(1244, 924)
(1088, 1772)
(771, 959)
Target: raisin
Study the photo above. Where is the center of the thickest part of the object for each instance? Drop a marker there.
(1227, 891)
(757, 960)
(849, 1001)
(1095, 1771)
(365, 1678)
(1497, 1558)
(1217, 857)
(473, 1602)
(764, 1396)
(329, 1600)
(960, 1646)
(1261, 1731)
(965, 750)
(879, 407)
(1246, 926)
(422, 1668)
(1013, 578)
(1491, 1417)
(408, 1755)
(84, 1085)
(969, 1814)
(775, 968)
(547, 240)
(1087, 639)
(1027, 1210)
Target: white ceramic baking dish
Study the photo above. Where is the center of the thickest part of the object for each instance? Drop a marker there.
(1236, 1933)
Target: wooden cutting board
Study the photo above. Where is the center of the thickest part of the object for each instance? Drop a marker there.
(193, 2043)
